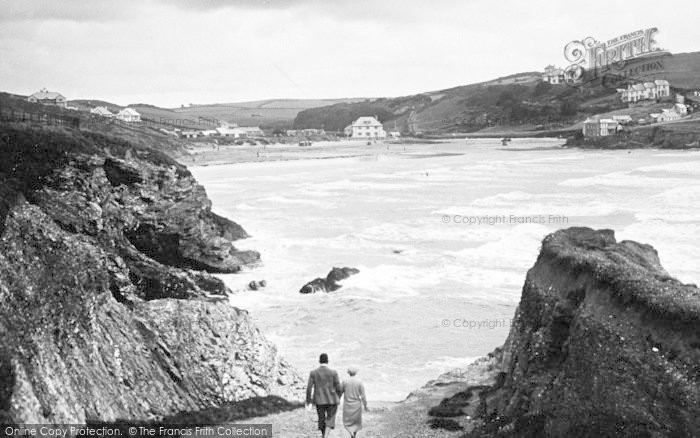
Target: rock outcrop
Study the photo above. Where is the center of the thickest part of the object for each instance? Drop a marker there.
(107, 308)
(330, 283)
(604, 343)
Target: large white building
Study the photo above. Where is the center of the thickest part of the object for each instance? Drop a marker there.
(129, 115)
(554, 75)
(646, 91)
(47, 97)
(600, 127)
(366, 127)
(102, 111)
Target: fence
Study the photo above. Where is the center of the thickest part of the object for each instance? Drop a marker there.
(42, 118)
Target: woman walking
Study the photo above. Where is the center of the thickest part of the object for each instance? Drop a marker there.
(353, 401)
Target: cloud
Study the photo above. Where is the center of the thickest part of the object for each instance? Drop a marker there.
(69, 10)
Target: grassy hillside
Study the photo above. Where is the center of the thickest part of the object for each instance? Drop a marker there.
(16, 110)
(683, 70)
(515, 103)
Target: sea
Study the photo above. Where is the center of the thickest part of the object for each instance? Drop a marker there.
(443, 235)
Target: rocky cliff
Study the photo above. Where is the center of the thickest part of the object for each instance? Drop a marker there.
(107, 308)
(604, 343)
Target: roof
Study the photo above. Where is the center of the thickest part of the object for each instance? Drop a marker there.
(366, 121)
(129, 112)
(622, 117)
(101, 110)
(608, 121)
(661, 82)
(654, 115)
(649, 85)
(45, 94)
(638, 87)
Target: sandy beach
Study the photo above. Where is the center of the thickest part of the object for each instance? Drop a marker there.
(207, 154)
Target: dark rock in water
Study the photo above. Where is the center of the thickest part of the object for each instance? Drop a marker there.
(255, 285)
(107, 308)
(330, 283)
(604, 343)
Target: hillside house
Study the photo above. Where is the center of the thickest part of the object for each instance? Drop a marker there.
(367, 127)
(46, 97)
(681, 109)
(553, 75)
(663, 88)
(623, 119)
(668, 115)
(600, 127)
(102, 112)
(650, 90)
(129, 115)
(647, 91)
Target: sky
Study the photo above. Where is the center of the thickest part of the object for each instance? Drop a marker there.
(170, 53)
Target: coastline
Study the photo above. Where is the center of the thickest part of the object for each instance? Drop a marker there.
(210, 154)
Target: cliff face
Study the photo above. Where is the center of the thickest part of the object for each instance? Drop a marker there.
(107, 310)
(604, 343)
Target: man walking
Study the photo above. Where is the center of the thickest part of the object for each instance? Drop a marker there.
(324, 391)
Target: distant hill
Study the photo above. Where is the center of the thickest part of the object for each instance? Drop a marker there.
(272, 113)
(268, 114)
(519, 102)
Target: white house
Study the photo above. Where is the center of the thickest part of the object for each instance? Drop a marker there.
(663, 88)
(102, 111)
(681, 109)
(46, 97)
(234, 132)
(648, 90)
(600, 127)
(667, 115)
(129, 115)
(623, 118)
(553, 75)
(367, 127)
(252, 131)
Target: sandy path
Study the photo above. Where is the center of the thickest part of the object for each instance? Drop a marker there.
(407, 419)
